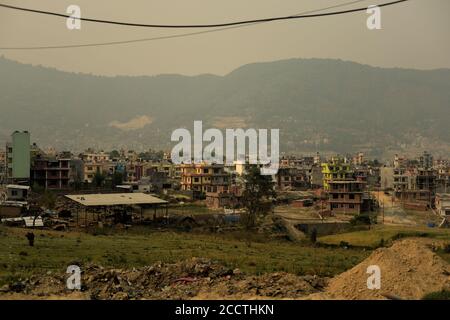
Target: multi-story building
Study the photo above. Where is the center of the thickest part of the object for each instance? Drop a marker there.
(425, 179)
(346, 196)
(358, 159)
(316, 176)
(443, 204)
(95, 162)
(401, 181)
(426, 160)
(97, 157)
(18, 159)
(90, 169)
(51, 173)
(289, 178)
(399, 162)
(166, 167)
(204, 178)
(2, 166)
(134, 171)
(425, 182)
(414, 184)
(335, 169)
(443, 179)
(387, 178)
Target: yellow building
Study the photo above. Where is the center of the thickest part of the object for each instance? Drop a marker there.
(335, 169)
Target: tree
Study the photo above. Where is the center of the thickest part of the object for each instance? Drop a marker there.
(257, 197)
(48, 200)
(98, 179)
(152, 155)
(117, 178)
(114, 154)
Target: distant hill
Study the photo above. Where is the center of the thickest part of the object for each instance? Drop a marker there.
(319, 105)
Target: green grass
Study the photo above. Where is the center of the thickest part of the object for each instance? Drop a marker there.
(54, 251)
(440, 295)
(372, 238)
(191, 209)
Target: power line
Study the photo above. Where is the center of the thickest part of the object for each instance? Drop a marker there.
(185, 26)
(182, 35)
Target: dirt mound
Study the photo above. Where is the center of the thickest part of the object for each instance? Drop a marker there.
(278, 285)
(409, 270)
(184, 280)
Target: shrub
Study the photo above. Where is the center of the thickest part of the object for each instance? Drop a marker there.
(361, 220)
(439, 295)
(447, 248)
(344, 244)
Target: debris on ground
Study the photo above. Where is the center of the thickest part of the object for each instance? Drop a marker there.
(183, 280)
(410, 269)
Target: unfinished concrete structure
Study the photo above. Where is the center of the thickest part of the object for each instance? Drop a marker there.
(346, 196)
(50, 173)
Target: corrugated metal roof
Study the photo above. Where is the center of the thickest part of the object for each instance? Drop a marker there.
(17, 186)
(114, 199)
(31, 222)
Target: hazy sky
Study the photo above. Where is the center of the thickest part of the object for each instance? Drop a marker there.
(415, 34)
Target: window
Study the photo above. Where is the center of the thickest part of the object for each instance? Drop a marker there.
(351, 206)
(351, 196)
(335, 196)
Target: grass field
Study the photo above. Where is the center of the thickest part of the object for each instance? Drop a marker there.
(372, 238)
(54, 251)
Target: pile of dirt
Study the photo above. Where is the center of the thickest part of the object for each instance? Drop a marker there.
(278, 285)
(184, 280)
(409, 270)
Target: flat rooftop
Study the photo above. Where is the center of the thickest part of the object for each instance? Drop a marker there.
(115, 199)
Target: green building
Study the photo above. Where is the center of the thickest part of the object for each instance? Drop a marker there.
(18, 157)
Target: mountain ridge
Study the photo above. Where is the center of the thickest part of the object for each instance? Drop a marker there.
(319, 104)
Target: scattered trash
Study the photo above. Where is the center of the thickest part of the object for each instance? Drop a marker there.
(189, 279)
